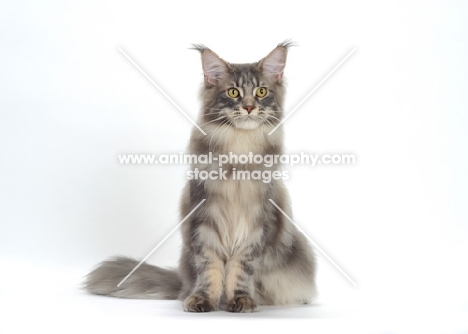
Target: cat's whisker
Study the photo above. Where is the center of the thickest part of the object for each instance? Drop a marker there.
(220, 136)
(212, 134)
(216, 110)
(220, 126)
(264, 128)
(266, 120)
(213, 113)
(271, 121)
(217, 119)
(271, 116)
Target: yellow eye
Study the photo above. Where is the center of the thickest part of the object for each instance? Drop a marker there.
(261, 92)
(232, 92)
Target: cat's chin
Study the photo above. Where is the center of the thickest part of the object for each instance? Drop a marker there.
(248, 124)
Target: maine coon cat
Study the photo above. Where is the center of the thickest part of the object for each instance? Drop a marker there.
(238, 251)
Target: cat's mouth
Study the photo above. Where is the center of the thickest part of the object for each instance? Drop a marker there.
(247, 122)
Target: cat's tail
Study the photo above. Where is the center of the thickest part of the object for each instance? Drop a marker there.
(147, 282)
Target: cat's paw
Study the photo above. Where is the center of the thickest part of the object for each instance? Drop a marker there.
(241, 304)
(197, 303)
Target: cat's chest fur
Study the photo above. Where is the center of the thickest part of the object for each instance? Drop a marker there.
(235, 208)
(235, 205)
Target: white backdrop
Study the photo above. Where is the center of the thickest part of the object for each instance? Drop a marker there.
(396, 221)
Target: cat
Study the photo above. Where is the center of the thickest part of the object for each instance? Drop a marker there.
(239, 251)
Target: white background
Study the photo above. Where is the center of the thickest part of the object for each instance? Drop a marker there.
(396, 221)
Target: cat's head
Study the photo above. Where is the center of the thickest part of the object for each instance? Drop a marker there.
(244, 96)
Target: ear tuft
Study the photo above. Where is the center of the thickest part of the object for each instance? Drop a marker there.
(287, 44)
(199, 47)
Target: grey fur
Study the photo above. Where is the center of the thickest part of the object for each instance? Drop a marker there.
(149, 283)
(238, 251)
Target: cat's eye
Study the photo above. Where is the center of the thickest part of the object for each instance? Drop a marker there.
(261, 92)
(232, 92)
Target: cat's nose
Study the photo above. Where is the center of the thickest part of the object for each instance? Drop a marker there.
(248, 108)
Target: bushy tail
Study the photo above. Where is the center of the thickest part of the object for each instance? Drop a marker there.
(147, 282)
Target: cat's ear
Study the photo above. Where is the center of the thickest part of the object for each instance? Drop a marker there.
(214, 68)
(273, 65)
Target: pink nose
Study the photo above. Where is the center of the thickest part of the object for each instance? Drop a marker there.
(248, 108)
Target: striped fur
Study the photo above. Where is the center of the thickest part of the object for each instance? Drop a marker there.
(238, 250)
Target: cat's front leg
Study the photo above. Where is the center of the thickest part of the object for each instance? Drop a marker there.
(208, 289)
(239, 287)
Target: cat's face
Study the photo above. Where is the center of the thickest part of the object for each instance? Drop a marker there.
(244, 99)
(244, 96)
